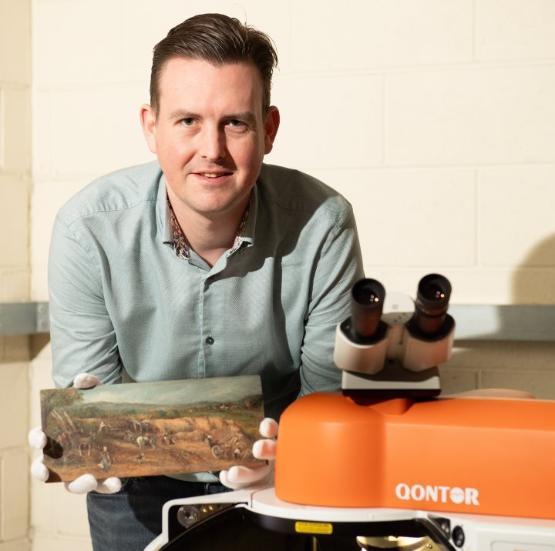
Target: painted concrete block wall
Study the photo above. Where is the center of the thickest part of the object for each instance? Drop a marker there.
(58, 518)
(15, 174)
(435, 118)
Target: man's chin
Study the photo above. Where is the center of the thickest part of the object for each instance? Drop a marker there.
(210, 203)
(217, 211)
(219, 207)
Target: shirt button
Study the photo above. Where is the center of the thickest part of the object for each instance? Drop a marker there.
(209, 340)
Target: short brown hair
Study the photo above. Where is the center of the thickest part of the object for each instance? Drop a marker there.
(219, 39)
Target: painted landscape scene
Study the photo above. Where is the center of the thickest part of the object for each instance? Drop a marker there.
(145, 429)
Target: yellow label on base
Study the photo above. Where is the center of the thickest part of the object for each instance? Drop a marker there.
(313, 527)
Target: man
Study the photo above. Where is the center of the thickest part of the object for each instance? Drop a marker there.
(205, 263)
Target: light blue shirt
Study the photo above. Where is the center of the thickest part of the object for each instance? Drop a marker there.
(124, 306)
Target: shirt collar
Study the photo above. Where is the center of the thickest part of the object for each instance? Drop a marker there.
(246, 233)
(163, 212)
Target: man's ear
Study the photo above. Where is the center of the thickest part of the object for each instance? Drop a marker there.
(271, 125)
(148, 122)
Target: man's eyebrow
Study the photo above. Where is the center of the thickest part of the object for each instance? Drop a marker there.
(182, 114)
(247, 116)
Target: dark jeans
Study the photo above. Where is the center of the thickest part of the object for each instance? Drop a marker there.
(132, 518)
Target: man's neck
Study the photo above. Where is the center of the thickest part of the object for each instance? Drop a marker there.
(209, 236)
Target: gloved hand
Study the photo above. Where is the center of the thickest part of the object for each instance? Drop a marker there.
(87, 482)
(239, 477)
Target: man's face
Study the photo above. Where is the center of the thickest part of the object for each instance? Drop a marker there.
(210, 134)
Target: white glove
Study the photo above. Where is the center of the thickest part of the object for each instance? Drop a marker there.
(86, 482)
(239, 477)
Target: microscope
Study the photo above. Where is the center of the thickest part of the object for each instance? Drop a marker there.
(388, 462)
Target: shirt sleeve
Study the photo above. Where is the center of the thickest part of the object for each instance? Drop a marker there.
(82, 336)
(337, 269)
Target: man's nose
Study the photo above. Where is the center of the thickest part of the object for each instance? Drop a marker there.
(212, 146)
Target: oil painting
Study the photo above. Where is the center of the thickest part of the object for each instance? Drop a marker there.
(145, 429)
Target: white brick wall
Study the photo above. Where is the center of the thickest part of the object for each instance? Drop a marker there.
(318, 115)
(471, 116)
(512, 236)
(15, 61)
(15, 168)
(508, 30)
(60, 543)
(365, 35)
(14, 203)
(100, 115)
(16, 545)
(518, 365)
(16, 128)
(14, 505)
(12, 411)
(435, 118)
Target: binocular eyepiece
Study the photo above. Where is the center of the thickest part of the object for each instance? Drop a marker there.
(367, 300)
(430, 319)
(417, 341)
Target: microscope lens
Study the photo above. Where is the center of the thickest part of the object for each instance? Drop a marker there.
(433, 292)
(432, 302)
(367, 300)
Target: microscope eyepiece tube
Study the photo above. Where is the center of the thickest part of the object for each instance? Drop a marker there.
(432, 302)
(430, 332)
(367, 300)
(361, 339)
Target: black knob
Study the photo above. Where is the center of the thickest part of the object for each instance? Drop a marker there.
(458, 536)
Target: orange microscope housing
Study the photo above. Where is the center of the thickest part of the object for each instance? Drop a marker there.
(389, 441)
(479, 456)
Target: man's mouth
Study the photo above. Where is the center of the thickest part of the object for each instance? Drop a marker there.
(213, 174)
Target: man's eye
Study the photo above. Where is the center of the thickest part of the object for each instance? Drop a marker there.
(236, 124)
(187, 121)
